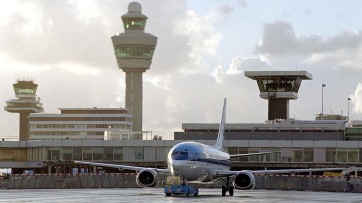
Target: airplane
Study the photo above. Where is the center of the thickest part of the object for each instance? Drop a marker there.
(199, 163)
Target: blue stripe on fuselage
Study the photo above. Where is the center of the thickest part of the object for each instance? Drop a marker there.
(206, 160)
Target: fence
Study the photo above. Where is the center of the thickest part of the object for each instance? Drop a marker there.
(70, 181)
(313, 183)
(123, 180)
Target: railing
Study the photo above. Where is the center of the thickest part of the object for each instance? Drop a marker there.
(9, 138)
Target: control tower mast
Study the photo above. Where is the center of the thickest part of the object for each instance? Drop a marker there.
(27, 102)
(278, 87)
(134, 51)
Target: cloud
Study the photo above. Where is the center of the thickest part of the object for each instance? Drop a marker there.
(225, 9)
(241, 3)
(45, 34)
(279, 38)
(282, 46)
(218, 74)
(357, 99)
(239, 64)
(203, 40)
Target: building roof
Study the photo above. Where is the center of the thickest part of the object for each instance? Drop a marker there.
(94, 110)
(301, 74)
(295, 124)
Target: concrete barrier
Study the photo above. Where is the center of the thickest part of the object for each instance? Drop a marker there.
(45, 182)
(91, 182)
(97, 181)
(112, 180)
(38, 182)
(84, 180)
(105, 181)
(76, 181)
(4, 182)
(119, 180)
(11, 183)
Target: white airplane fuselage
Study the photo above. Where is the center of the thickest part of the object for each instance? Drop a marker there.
(197, 162)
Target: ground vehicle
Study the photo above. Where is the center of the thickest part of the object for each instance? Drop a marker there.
(174, 185)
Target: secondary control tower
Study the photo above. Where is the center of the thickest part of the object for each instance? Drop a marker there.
(134, 50)
(27, 102)
(278, 87)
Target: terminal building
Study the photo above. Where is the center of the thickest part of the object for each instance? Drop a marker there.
(287, 130)
(78, 133)
(79, 123)
(52, 156)
(302, 144)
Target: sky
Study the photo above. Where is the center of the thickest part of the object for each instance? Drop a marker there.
(203, 49)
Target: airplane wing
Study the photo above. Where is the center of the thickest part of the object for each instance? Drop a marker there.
(133, 168)
(278, 171)
(250, 154)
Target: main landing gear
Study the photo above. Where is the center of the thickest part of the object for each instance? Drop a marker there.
(226, 188)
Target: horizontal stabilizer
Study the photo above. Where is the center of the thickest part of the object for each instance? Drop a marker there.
(278, 171)
(133, 168)
(250, 154)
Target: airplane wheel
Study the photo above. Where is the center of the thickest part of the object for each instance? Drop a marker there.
(223, 190)
(231, 190)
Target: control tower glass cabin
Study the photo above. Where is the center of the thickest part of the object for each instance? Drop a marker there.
(278, 87)
(27, 102)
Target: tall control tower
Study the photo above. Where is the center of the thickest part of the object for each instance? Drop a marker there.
(134, 50)
(278, 87)
(27, 102)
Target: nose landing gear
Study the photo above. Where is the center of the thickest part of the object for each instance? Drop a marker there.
(226, 188)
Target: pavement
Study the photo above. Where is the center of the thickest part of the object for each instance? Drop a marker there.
(156, 195)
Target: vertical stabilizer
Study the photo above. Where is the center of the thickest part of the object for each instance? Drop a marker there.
(220, 136)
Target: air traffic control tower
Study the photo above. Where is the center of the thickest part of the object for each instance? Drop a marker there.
(27, 102)
(134, 51)
(278, 87)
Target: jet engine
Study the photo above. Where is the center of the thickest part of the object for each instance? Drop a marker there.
(147, 178)
(244, 180)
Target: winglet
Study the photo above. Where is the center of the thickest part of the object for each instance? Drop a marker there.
(220, 136)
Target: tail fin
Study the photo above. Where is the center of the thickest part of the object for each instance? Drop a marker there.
(220, 136)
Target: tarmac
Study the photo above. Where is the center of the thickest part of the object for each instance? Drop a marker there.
(157, 195)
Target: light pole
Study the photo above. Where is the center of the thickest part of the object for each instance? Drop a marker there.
(349, 99)
(323, 85)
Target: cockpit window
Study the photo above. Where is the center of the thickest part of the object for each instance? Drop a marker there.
(184, 152)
